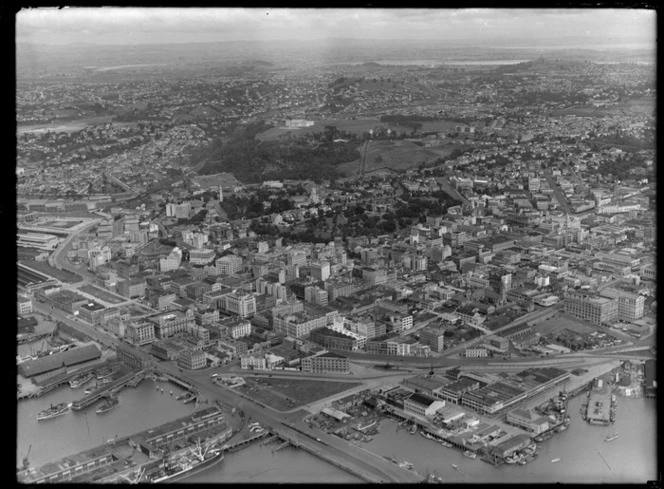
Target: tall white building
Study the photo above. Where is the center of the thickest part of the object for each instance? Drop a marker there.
(321, 270)
(630, 306)
(172, 261)
(241, 303)
(229, 264)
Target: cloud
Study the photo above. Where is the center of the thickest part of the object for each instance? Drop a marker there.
(118, 25)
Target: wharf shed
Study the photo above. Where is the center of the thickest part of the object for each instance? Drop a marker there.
(57, 360)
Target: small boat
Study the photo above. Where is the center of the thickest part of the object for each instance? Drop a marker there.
(171, 393)
(469, 454)
(560, 428)
(413, 430)
(108, 404)
(611, 437)
(555, 460)
(446, 444)
(455, 466)
(427, 435)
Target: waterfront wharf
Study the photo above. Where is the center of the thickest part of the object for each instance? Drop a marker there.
(240, 444)
(282, 446)
(598, 409)
(174, 379)
(104, 391)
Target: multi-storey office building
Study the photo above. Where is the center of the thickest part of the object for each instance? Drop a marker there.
(597, 310)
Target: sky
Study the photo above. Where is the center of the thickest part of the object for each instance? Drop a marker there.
(118, 25)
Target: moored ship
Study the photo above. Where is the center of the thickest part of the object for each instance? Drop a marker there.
(470, 454)
(186, 465)
(53, 411)
(108, 404)
(80, 380)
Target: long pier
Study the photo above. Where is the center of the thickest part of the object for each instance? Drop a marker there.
(239, 445)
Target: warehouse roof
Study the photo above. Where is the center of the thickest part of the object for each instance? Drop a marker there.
(56, 360)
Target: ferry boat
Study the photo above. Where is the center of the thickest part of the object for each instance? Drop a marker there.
(611, 437)
(79, 380)
(107, 405)
(470, 454)
(555, 460)
(53, 411)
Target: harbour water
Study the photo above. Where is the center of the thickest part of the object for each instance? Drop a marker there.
(437, 62)
(632, 458)
(140, 408)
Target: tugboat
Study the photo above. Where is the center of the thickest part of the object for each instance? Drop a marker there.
(53, 411)
(108, 404)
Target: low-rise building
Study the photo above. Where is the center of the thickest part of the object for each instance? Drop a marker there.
(192, 359)
(325, 362)
(422, 405)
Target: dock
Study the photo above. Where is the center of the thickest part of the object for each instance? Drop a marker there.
(598, 410)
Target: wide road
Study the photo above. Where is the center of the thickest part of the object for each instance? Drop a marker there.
(557, 191)
(59, 257)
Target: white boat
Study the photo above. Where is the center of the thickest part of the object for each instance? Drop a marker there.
(611, 437)
(470, 454)
(555, 460)
(456, 467)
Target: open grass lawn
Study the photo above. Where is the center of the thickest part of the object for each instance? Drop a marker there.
(286, 394)
(397, 155)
